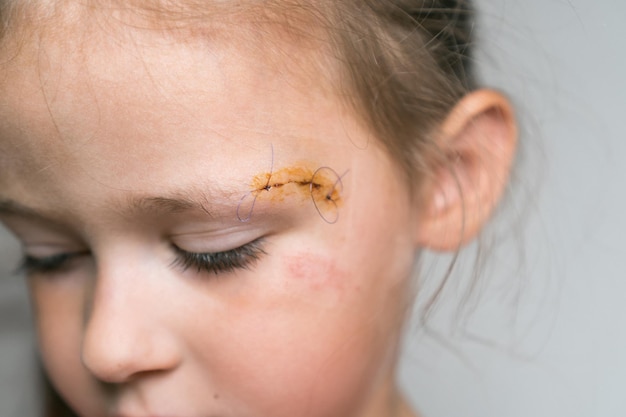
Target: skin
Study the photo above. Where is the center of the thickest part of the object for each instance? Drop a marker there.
(123, 145)
(96, 146)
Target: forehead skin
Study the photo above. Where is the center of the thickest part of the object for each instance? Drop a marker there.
(69, 93)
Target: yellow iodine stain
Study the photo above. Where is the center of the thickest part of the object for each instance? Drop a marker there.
(322, 185)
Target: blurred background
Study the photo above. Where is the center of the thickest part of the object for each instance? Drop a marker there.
(18, 385)
(542, 331)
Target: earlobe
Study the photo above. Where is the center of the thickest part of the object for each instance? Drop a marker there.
(477, 143)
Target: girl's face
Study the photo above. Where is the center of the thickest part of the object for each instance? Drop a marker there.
(208, 231)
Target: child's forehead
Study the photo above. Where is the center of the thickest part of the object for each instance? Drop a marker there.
(98, 34)
(147, 88)
(94, 44)
(99, 104)
(183, 20)
(88, 107)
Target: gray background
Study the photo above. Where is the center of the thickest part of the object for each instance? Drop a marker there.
(546, 336)
(543, 333)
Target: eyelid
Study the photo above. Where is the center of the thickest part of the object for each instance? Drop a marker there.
(241, 257)
(252, 243)
(45, 250)
(47, 264)
(211, 242)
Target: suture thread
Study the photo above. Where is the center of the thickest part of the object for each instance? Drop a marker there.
(317, 184)
(336, 188)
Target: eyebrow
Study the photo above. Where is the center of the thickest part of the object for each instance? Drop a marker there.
(177, 203)
(165, 205)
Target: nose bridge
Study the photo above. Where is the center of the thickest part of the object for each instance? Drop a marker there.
(126, 332)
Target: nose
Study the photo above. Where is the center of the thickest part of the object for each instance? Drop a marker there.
(126, 332)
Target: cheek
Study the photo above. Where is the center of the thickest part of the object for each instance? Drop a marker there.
(58, 310)
(315, 273)
(59, 314)
(315, 345)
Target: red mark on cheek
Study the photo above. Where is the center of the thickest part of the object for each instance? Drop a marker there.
(317, 272)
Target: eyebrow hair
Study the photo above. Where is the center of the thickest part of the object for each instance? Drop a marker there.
(178, 202)
(210, 199)
(164, 205)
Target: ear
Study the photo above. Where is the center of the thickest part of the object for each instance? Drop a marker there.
(477, 144)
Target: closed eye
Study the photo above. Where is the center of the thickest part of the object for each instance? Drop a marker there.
(48, 264)
(216, 263)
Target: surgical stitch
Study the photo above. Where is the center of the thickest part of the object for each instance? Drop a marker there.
(324, 185)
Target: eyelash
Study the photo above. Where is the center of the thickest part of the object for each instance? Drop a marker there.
(48, 264)
(242, 257)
